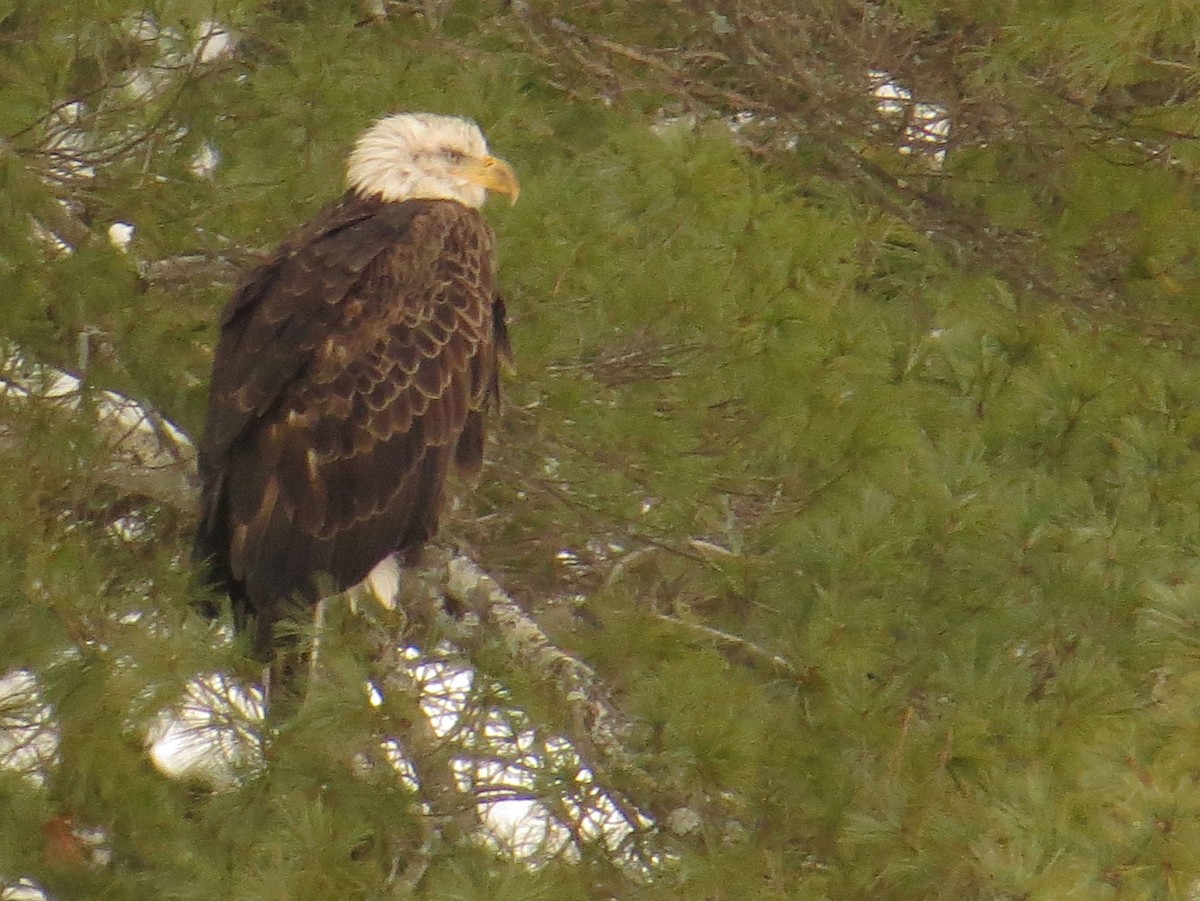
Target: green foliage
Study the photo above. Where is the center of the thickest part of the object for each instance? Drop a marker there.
(963, 510)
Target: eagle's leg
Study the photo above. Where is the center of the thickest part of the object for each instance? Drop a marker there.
(293, 667)
(314, 656)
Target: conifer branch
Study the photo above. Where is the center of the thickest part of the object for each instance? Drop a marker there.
(148, 456)
(453, 810)
(188, 270)
(735, 648)
(597, 730)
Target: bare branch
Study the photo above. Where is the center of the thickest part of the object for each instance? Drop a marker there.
(596, 721)
(452, 809)
(196, 269)
(735, 648)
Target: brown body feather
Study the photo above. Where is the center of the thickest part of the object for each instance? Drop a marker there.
(354, 367)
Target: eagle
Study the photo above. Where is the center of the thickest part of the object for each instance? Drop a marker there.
(354, 369)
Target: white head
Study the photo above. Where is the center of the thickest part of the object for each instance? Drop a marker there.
(423, 156)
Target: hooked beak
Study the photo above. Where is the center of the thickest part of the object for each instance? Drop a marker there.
(494, 174)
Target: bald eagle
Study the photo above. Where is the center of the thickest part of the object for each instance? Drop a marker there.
(354, 367)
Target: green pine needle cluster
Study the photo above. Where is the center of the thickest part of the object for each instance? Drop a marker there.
(956, 489)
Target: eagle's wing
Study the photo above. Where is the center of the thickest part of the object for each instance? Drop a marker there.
(353, 367)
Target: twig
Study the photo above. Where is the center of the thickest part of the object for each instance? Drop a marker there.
(683, 81)
(186, 270)
(735, 648)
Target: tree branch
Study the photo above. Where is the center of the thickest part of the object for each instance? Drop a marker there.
(148, 455)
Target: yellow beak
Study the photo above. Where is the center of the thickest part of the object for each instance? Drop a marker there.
(494, 174)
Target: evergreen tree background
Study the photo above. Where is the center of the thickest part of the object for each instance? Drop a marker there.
(916, 416)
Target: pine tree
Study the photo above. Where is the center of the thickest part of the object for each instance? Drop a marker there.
(848, 470)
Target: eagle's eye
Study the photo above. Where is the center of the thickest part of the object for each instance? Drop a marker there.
(453, 155)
